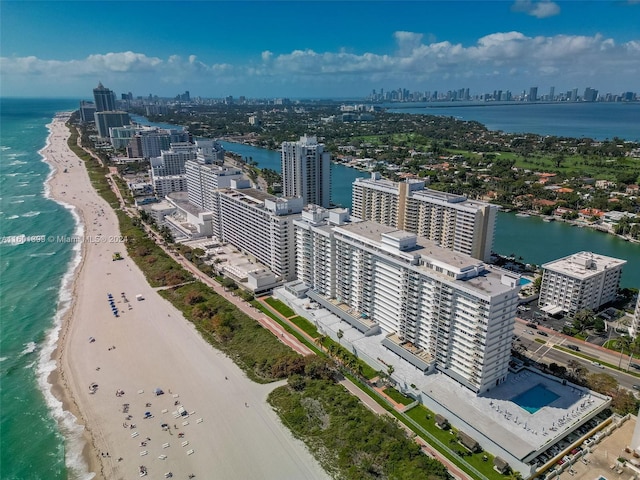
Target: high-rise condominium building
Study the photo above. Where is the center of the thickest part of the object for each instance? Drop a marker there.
(168, 172)
(259, 224)
(203, 179)
(439, 309)
(582, 281)
(306, 171)
(635, 321)
(452, 221)
(108, 119)
(105, 99)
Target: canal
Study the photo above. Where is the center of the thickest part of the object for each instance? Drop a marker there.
(531, 238)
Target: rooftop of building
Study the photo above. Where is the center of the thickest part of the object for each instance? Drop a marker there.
(181, 200)
(583, 265)
(251, 194)
(480, 277)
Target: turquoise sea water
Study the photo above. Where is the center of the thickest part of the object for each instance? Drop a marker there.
(35, 434)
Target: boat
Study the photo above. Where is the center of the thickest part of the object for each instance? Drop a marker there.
(523, 215)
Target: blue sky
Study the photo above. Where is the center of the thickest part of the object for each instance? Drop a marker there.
(316, 49)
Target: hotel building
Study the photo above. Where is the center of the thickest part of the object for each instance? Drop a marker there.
(580, 281)
(204, 179)
(306, 171)
(452, 221)
(440, 309)
(258, 224)
(168, 172)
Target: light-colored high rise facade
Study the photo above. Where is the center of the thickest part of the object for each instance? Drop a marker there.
(203, 179)
(451, 309)
(582, 281)
(634, 328)
(306, 171)
(168, 171)
(259, 224)
(452, 221)
(172, 161)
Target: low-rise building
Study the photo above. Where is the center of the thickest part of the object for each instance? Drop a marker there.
(582, 281)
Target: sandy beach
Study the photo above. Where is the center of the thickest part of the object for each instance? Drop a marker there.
(110, 366)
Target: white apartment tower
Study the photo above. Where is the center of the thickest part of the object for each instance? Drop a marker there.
(204, 179)
(452, 221)
(580, 281)
(306, 171)
(635, 321)
(168, 172)
(259, 224)
(439, 309)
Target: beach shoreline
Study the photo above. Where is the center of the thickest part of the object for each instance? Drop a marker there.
(111, 342)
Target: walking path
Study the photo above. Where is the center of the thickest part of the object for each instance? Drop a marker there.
(292, 342)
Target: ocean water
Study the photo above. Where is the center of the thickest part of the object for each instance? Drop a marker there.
(37, 439)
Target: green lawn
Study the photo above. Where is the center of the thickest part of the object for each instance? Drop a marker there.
(280, 307)
(397, 397)
(306, 326)
(426, 419)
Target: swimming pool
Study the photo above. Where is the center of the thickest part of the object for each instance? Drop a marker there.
(535, 398)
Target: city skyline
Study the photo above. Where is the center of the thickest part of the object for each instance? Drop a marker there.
(265, 49)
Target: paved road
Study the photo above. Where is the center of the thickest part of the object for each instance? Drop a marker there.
(547, 354)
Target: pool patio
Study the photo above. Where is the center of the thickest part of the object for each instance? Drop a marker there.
(493, 419)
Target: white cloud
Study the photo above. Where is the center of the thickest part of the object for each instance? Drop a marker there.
(511, 58)
(541, 9)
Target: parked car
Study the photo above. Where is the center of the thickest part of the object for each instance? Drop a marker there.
(636, 387)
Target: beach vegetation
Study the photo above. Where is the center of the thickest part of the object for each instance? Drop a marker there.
(349, 441)
(254, 349)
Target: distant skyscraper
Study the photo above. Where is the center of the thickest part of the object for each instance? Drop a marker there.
(552, 93)
(104, 98)
(590, 95)
(533, 94)
(306, 171)
(574, 95)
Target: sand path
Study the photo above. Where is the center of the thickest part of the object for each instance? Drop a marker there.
(231, 431)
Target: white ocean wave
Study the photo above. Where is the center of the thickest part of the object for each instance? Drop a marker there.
(31, 214)
(17, 162)
(73, 433)
(29, 348)
(13, 217)
(2, 359)
(17, 201)
(4, 148)
(43, 254)
(11, 174)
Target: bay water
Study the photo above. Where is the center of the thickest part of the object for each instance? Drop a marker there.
(38, 440)
(599, 120)
(531, 238)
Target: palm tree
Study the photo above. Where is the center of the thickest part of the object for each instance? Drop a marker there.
(320, 341)
(340, 335)
(390, 370)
